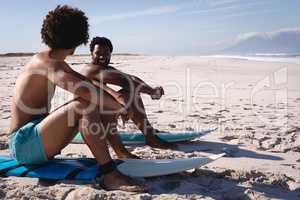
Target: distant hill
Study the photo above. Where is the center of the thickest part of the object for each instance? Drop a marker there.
(126, 54)
(31, 54)
(282, 41)
(16, 54)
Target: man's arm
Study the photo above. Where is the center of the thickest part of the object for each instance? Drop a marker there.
(118, 96)
(63, 76)
(142, 86)
(129, 82)
(126, 81)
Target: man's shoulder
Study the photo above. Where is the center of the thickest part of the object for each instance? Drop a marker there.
(41, 60)
(96, 68)
(90, 69)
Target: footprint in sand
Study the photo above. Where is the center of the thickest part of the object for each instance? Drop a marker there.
(275, 129)
(272, 117)
(224, 110)
(159, 111)
(271, 143)
(172, 125)
(194, 115)
(219, 116)
(249, 128)
(229, 138)
(189, 129)
(264, 139)
(262, 126)
(206, 108)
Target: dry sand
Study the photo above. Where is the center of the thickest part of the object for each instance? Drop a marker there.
(255, 106)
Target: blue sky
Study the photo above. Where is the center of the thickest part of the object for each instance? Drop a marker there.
(161, 27)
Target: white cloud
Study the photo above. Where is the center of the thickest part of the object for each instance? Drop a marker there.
(188, 7)
(246, 13)
(211, 5)
(209, 10)
(266, 35)
(278, 41)
(233, 8)
(222, 2)
(147, 12)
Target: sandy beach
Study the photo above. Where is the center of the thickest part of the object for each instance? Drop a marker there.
(254, 105)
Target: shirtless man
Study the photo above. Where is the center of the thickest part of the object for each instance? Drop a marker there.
(37, 135)
(101, 73)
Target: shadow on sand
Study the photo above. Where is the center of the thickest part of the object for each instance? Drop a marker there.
(221, 185)
(218, 147)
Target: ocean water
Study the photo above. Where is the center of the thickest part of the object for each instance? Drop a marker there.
(289, 58)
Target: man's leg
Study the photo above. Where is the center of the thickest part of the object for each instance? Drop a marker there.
(140, 119)
(115, 140)
(56, 133)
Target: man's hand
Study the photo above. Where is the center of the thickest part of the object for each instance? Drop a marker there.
(157, 93)
(127, 113)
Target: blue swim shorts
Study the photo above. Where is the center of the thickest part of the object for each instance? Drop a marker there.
(25, 144)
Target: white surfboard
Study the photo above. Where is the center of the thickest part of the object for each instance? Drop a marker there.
(150, 168)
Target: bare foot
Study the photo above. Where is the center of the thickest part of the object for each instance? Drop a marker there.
(117, 181)
(155, 142)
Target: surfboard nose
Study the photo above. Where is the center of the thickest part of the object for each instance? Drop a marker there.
(151, 168)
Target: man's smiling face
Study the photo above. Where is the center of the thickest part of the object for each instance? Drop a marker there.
(101, 55)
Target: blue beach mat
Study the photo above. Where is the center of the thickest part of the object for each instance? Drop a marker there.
(87, 169)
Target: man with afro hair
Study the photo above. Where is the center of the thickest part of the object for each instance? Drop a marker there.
(101, 73)
(36, 134)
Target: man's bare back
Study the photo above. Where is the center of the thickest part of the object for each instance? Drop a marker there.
(33, 91)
